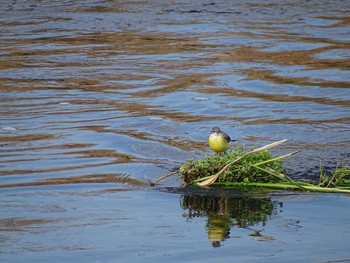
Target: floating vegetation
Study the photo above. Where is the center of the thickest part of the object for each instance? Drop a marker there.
(256, 169)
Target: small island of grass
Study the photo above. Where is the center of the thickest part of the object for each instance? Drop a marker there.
(256, 169)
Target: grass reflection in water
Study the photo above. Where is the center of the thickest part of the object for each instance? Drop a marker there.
(225, 212)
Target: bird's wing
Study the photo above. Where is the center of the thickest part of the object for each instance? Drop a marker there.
(227, 138)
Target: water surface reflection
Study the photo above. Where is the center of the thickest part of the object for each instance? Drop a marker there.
(226, 212)
(97, 98)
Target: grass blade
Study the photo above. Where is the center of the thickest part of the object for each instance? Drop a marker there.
(277, 158)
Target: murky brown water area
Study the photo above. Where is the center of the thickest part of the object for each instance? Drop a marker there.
(100, 97)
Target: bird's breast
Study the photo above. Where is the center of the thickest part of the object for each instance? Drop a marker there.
(218, 143)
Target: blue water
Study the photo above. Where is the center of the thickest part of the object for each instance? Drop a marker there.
(99, 98)
(106, 223)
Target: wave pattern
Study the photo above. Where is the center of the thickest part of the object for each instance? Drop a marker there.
(93, 90)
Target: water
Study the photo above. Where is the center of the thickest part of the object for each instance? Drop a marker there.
(100, 97)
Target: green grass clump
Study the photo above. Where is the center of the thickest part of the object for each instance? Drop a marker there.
(338, 178)
(253, 168)
(256, 168)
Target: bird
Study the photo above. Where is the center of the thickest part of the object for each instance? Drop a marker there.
(218, 140)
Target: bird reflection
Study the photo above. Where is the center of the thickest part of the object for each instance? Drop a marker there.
(218, 228)
(225, 212)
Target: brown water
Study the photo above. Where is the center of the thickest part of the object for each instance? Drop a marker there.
(100, 97)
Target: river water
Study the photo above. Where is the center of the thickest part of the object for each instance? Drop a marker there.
(98, 98)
